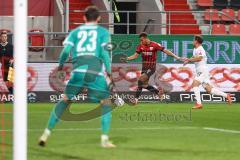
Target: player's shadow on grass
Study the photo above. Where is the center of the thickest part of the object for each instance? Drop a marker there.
(163, 150)
(120, 139)
(116, 139)
(45, 153)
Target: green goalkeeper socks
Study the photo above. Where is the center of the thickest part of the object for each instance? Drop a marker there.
(56, 114)
(106, 119)
(62, 105)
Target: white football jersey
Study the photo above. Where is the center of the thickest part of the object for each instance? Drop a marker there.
(200, 66)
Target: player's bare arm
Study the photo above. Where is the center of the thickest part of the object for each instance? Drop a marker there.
(193, 59)
(171, 54)
(132, 57)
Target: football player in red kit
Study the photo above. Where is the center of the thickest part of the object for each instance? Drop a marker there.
(148, 50)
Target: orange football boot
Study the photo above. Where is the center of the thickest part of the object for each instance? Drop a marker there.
(197, 106)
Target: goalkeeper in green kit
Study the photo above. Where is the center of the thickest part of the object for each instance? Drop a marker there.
(91, 69)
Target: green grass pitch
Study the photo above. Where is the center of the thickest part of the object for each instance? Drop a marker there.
(144, 132)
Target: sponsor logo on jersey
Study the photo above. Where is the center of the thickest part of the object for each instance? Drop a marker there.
(147, 53)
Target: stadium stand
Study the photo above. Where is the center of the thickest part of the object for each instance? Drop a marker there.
(218, 29)
(229, 13)
(234, 29)
(211, 15)
(181, 23)
(205, 3)
(75, 17)
(225, 12)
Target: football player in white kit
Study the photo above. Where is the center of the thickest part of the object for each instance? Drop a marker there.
(202, 74)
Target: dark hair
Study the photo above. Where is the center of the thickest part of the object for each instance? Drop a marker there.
(92, 13)
(199, 39)
(2, 33)
(143, 34)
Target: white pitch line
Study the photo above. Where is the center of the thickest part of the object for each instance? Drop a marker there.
(222, 130)
(127, 129)
(96, 129)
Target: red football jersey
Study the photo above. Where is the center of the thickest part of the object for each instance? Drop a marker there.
(149, 54)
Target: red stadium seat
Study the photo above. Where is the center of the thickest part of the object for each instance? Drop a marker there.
(211, 14)
(230, 15)
(218, 29)
(205, 3)
(36, 40)
(234, 29)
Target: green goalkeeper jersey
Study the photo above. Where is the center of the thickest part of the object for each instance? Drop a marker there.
(87, 44)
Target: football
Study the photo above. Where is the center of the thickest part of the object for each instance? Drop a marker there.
(119, 102)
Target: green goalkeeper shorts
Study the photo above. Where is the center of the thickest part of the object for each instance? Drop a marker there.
(95, 84)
